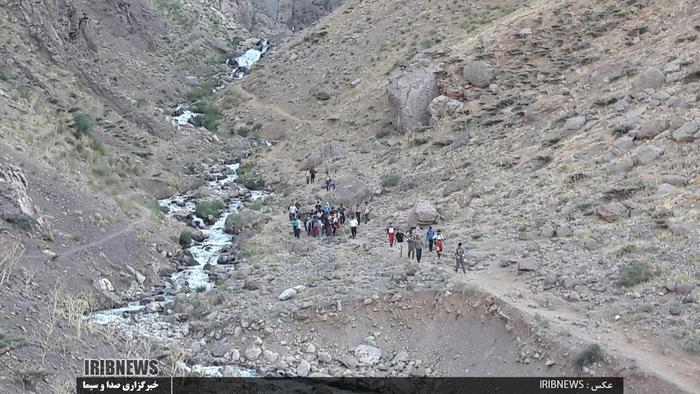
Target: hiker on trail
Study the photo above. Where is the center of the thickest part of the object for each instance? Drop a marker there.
(327, 207)
(410, 240)
(399, 241)
(358, 214)
(459, 257)
(430, 236)
(353, 226)
(335, 221)
(366, 212)
(328, 184)
(293, 210)
(328, 225)
(308, 225)
(341, 213)
(312, 175)
(308, 176)
(418, 241)
(296, 226)
(331, 185)
(317, 228)
(391, 232)
(439, 240)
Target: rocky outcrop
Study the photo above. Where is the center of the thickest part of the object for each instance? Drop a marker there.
(350, 191)
(245, 218)
(15, 203)
(410, 93)
(296, 14)
(443, 106)
(423, 214)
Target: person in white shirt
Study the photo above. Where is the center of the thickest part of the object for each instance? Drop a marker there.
(353, 226)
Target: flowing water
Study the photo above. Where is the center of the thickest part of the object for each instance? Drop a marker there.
(142, 317)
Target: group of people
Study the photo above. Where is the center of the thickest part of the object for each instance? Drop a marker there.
(415, 242)
(311, 178)
(326, 219)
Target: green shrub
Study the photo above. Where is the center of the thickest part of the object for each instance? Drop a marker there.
(235, 41)
(692, 345)
(204, 89)
(99, 147)
(209, 115)
(390, 180)
(185, 239)
(242, 131)
(380, 134)
(101, 170)
(4, 76)
(634, 273)
(252, 182)
(82, 124)
(589, 355)
(257, 127)
(205, 209)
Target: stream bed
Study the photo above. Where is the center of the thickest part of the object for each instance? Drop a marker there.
(144, 317)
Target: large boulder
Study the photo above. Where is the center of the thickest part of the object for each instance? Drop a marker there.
(423, 214)
(334, 149)
(15, 202)
(410, 93)
(650, 78)
(350, 191)
(479, 74)
(245, 218)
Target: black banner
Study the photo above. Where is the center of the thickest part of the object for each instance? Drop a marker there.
(558, 385)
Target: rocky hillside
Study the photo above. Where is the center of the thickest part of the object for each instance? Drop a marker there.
(557, 140)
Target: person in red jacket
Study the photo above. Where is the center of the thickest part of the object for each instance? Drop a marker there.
(390, 231)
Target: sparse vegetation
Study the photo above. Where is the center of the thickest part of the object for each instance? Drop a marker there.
(210, 114)
(9, 343)
(589, 355)
(209, 208)
(203, 90)
(242, 131)
(390, 181)
(692, 344)
(185, 239)
(634, 274)
(82, 124)
(252, 182)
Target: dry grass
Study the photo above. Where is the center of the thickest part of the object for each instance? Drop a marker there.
(13, 250)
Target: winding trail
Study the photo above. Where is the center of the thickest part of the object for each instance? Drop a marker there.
(100, 241)
(263, 107)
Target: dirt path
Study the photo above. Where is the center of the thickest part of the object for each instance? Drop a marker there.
(672, 366)
(100, 241)
(650, 355)
(263, 107)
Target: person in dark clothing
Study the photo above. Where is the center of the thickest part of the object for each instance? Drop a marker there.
(399, 241)
(430, 236)
(341, 212)
(419, 246)
(296, 226)
(459, 258)
(312, 175)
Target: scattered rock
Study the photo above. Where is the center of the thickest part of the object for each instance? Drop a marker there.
(652, 128)
(527, 265)
(423, 214)
(287, 294)
(217, 349)
(303, 368)
(368, 355)
(685, 133)
(348, 361)
(479, 74)
(252, 352)
(651, 77)
(648, 153)
(575, 123)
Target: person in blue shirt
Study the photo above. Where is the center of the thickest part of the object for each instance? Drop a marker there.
(430, 236)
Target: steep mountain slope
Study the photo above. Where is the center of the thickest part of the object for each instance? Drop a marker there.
(562, 148)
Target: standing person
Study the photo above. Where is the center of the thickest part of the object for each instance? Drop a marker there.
(410, 240)
(308, 225)
(439, 240)
(459, 257)
(296, 226)
(327, 207)
(336, 222)
(308, 176)
(391, 232)
(399, 241)
(353, 226)
(358, 214)
(331, 185)
(312, 175)
(292, 211)
(419, 246)
(341, 212)
(430, 236)
(366, 212)
(328, 184)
